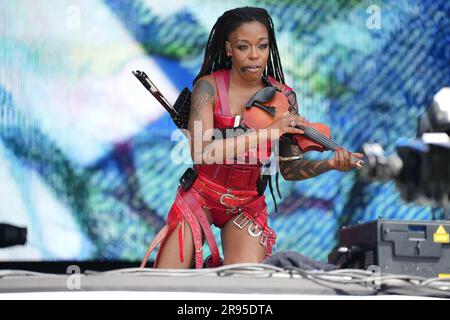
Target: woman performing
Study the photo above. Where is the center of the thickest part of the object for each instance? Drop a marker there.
(241, 58)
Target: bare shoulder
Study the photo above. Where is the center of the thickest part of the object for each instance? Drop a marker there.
(209, 78)
(206, 81)
(203, 98)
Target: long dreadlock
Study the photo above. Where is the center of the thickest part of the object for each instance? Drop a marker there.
(216, 57)
(215, 54)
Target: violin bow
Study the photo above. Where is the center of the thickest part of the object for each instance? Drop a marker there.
(179, 112)
(149, 85)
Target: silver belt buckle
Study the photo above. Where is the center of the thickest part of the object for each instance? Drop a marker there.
(263, 240)
(251, 230)
(226, 195)
(242, 223)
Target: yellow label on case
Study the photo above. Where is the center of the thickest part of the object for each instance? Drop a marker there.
(441, 236)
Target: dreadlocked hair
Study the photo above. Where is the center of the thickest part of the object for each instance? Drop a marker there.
(215, 52)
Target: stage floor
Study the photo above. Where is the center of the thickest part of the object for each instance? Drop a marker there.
(242, 282)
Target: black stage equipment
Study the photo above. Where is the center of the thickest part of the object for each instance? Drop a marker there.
(421, 171)
(420, 248)
(11, 235)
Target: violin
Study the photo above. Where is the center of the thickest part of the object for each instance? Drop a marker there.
(265, 107)
(269, 104)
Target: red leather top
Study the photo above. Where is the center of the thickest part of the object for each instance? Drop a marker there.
(243, 175)
(222, 122)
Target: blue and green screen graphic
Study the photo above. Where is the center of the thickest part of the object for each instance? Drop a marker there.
(85, 150)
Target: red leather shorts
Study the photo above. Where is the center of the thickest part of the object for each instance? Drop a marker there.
(245, 207)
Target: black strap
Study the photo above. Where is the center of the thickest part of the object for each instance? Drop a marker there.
(278, 187)
(263, 185)
(271, 192)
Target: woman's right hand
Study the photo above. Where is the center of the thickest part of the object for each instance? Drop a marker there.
(285, 123)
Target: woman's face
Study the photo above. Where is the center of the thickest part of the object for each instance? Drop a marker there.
(248, 46)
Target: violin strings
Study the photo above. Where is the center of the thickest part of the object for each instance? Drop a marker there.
(324, 137)
(316, 135)
(331, 143)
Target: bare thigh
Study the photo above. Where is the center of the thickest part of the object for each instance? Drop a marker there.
(239, 246)
(169, 255)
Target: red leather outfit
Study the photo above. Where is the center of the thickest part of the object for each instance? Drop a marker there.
(229, 191)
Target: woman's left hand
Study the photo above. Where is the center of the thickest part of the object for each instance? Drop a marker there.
(344, 160)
